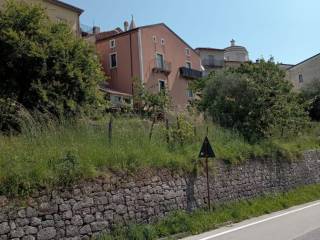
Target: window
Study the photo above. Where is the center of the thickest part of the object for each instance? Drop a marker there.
(211, 59)
(113, 60)
(187, 51)
(159, 60)
(188, 65)
(162, 85)
(112, 43)
(162, 41)
(154, 38)
(189, 93)
(300, 78)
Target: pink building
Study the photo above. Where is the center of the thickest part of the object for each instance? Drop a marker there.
(155, 55)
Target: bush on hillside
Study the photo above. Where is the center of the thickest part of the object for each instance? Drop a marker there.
(149, 103)
(182, 132)
(8, 115)
(311, 94)
(44, 66)
(255, 99)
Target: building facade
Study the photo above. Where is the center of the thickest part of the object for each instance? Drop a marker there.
(154, 55)
(214, 59)
(58, 11)
(304, 72)
(211, 58)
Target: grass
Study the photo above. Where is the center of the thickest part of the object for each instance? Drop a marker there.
(202, 220)
(47, 150)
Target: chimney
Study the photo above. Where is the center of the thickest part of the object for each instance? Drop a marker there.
(233, 43)
(96, 30)
(126, 26)
(132, 24)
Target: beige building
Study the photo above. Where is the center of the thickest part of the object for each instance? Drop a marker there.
(304, 71)
(213, 58)
(58, 11)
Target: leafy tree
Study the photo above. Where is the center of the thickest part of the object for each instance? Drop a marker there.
(311, 94)
(43, 65)
(255, 99)
(147, 102)
(182, 133)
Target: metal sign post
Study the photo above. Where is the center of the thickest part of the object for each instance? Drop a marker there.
(207, 152)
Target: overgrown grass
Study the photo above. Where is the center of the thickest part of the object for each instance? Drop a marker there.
(202, 220)
(48, 150)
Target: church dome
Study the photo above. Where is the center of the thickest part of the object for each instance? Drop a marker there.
(236, 53)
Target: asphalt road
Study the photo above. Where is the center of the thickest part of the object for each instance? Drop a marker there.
(297, 223)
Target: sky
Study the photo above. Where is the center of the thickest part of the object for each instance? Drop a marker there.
(288, 30)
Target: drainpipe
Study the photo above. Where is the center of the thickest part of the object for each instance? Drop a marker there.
(141, 56)
(131, 56)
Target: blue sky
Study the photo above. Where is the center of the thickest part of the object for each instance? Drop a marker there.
(289, 30)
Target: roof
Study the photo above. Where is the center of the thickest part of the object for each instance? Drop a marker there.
(114, 92)
(148, 26)
(66, 5)
(285, 64)
(314, 56)
(230, 61)
(207, 48)
(104, 35)
(235, 48)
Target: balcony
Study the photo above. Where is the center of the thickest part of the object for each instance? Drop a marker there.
(162, 67)
(190, 73)
(212, 63)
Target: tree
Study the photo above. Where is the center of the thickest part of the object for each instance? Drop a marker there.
(43, 65)
(311, 94)
(254, 99)
(147, 102)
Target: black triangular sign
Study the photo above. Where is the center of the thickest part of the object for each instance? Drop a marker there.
(206, 149)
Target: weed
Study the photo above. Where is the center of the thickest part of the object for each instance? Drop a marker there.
(52, 152)
(201, 220)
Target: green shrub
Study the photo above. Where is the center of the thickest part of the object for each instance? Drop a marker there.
(57, 71)
(66, 170)
(14, 184)
(182, 132)
(149, 103)
(8, 112)
(310, 92)
(145, 232)
(255, 99)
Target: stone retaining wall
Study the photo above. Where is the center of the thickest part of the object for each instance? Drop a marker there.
(90, 208)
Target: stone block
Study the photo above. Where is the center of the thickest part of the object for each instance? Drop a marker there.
(4, 228)
(47, 233)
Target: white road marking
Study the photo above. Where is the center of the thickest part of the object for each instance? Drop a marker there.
(261, 221)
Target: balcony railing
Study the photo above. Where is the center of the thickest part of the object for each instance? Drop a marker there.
(207, 62)
(162, 67)
(190, 73)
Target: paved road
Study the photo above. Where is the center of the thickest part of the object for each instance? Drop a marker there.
(297, 223)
